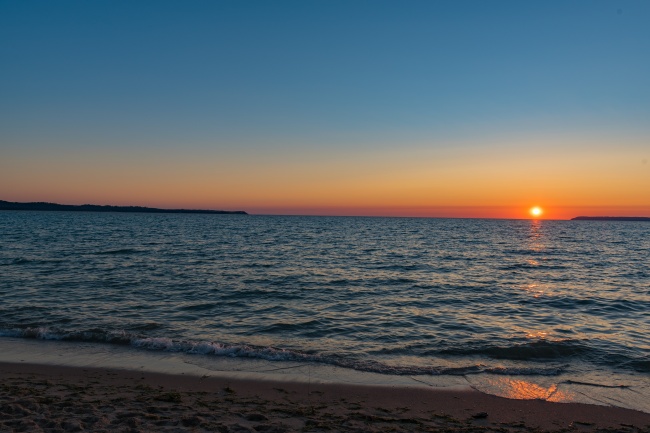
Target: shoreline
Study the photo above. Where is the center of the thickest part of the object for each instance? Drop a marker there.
(50, 397)
(628, 392)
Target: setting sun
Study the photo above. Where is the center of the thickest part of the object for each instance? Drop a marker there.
(536, 211)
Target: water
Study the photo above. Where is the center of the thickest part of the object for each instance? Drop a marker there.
(399, 296)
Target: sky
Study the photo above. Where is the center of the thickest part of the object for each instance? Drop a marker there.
(383, 108)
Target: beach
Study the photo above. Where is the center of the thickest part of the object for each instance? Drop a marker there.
(53, 398)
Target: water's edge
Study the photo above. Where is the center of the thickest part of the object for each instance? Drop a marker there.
(561, 388)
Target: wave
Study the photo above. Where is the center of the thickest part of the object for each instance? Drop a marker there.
(93, 335)
(14, 261)
(558, 350)
(120, 251)
(25, 261)
(522, 266)
(268, 353)
(537, 350)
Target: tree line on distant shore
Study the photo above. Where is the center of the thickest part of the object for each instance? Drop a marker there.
(43, 206)
(608, 218)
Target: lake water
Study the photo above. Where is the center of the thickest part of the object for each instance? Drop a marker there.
(497, 301)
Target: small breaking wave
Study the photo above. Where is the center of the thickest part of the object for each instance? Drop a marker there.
(264, 352)
(45, 333)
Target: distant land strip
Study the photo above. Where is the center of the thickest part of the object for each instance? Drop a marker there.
(43, 206)
(609, 218)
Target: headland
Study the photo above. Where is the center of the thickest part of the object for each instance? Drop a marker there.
(610, 218)
(44, 206)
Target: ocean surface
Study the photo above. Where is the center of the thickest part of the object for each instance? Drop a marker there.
(398, 296)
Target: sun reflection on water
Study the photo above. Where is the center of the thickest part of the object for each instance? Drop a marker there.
(524, 390)
(534, 289)
(541, 335)
(536, 237)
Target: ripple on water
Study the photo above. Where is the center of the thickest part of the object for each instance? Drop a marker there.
(366, 293)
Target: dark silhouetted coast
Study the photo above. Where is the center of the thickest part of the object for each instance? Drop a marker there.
(608, 218)
(43, 206)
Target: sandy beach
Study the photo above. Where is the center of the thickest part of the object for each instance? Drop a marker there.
(57, 398)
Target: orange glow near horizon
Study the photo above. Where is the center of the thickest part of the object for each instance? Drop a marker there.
(488, 180)
(488, 212)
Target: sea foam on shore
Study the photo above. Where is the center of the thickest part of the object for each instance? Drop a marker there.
(541, 388)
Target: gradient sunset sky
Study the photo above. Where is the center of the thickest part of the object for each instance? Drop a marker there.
(415, 108)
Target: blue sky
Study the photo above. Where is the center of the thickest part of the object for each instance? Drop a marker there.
(326, 76)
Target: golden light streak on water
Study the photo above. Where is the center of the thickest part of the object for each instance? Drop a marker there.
(525, 390)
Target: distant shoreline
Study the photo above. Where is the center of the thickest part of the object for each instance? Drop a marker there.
(55, 207)
(608, 218)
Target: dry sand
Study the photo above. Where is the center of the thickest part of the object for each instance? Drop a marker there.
(55, 399)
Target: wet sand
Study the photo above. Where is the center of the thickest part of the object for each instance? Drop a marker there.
(57, 398)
